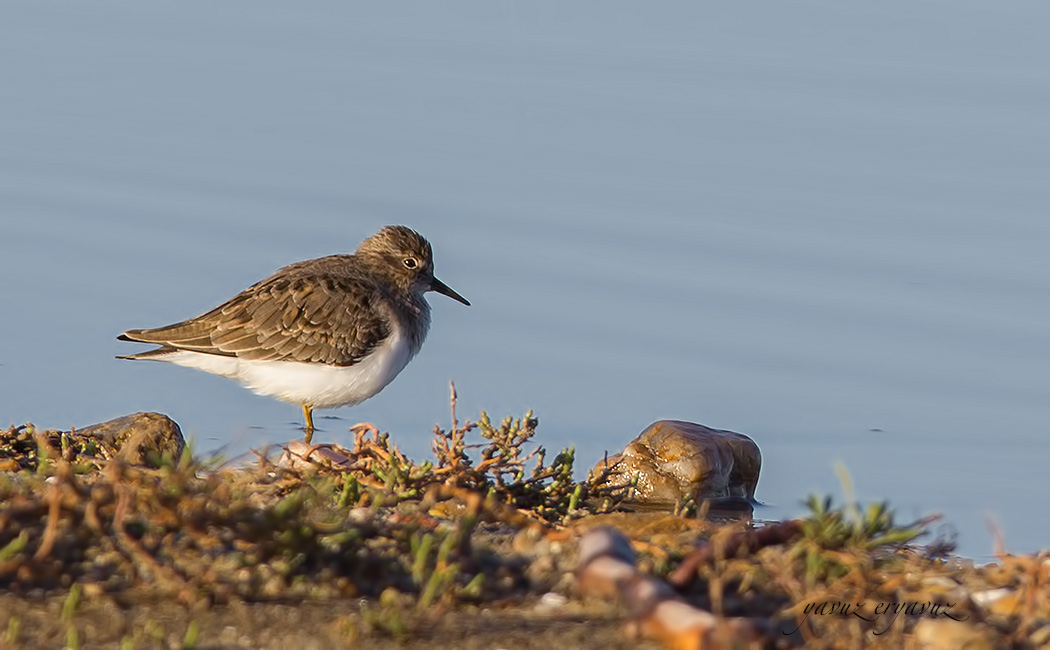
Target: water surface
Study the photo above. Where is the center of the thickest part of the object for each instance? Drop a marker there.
(821, 226)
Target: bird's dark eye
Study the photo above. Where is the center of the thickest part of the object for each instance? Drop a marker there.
(410, 263)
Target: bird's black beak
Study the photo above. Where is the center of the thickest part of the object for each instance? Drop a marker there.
(442, 288)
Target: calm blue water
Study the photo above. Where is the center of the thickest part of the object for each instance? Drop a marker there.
(823, 226)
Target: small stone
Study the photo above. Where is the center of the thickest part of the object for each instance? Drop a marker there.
(360, 516)
(551, 602)
(1004, 605)
(606, 541)
(946, 634)
(603, 577)
(139, 438)
(989, 597)
(675, 460)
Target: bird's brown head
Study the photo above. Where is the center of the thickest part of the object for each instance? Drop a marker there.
(406, 257)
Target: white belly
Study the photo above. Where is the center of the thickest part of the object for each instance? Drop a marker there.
(317, 384)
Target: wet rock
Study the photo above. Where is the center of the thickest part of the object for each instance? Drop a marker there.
(140, 438)
(674, 460)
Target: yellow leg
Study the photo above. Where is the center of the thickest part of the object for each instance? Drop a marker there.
(308, 414)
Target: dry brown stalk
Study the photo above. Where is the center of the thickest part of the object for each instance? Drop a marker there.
(742, 542)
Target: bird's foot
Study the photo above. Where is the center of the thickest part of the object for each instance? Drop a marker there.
(308, 430)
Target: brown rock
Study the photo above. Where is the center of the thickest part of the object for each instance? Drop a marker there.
(674, 460)
(140, 438)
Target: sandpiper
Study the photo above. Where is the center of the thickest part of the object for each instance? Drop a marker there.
(322, 333)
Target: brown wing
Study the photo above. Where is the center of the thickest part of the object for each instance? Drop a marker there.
(300, 317)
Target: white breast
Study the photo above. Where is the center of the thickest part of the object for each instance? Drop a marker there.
(317, 384)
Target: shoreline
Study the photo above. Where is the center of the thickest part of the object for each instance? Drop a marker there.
(480, 546)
